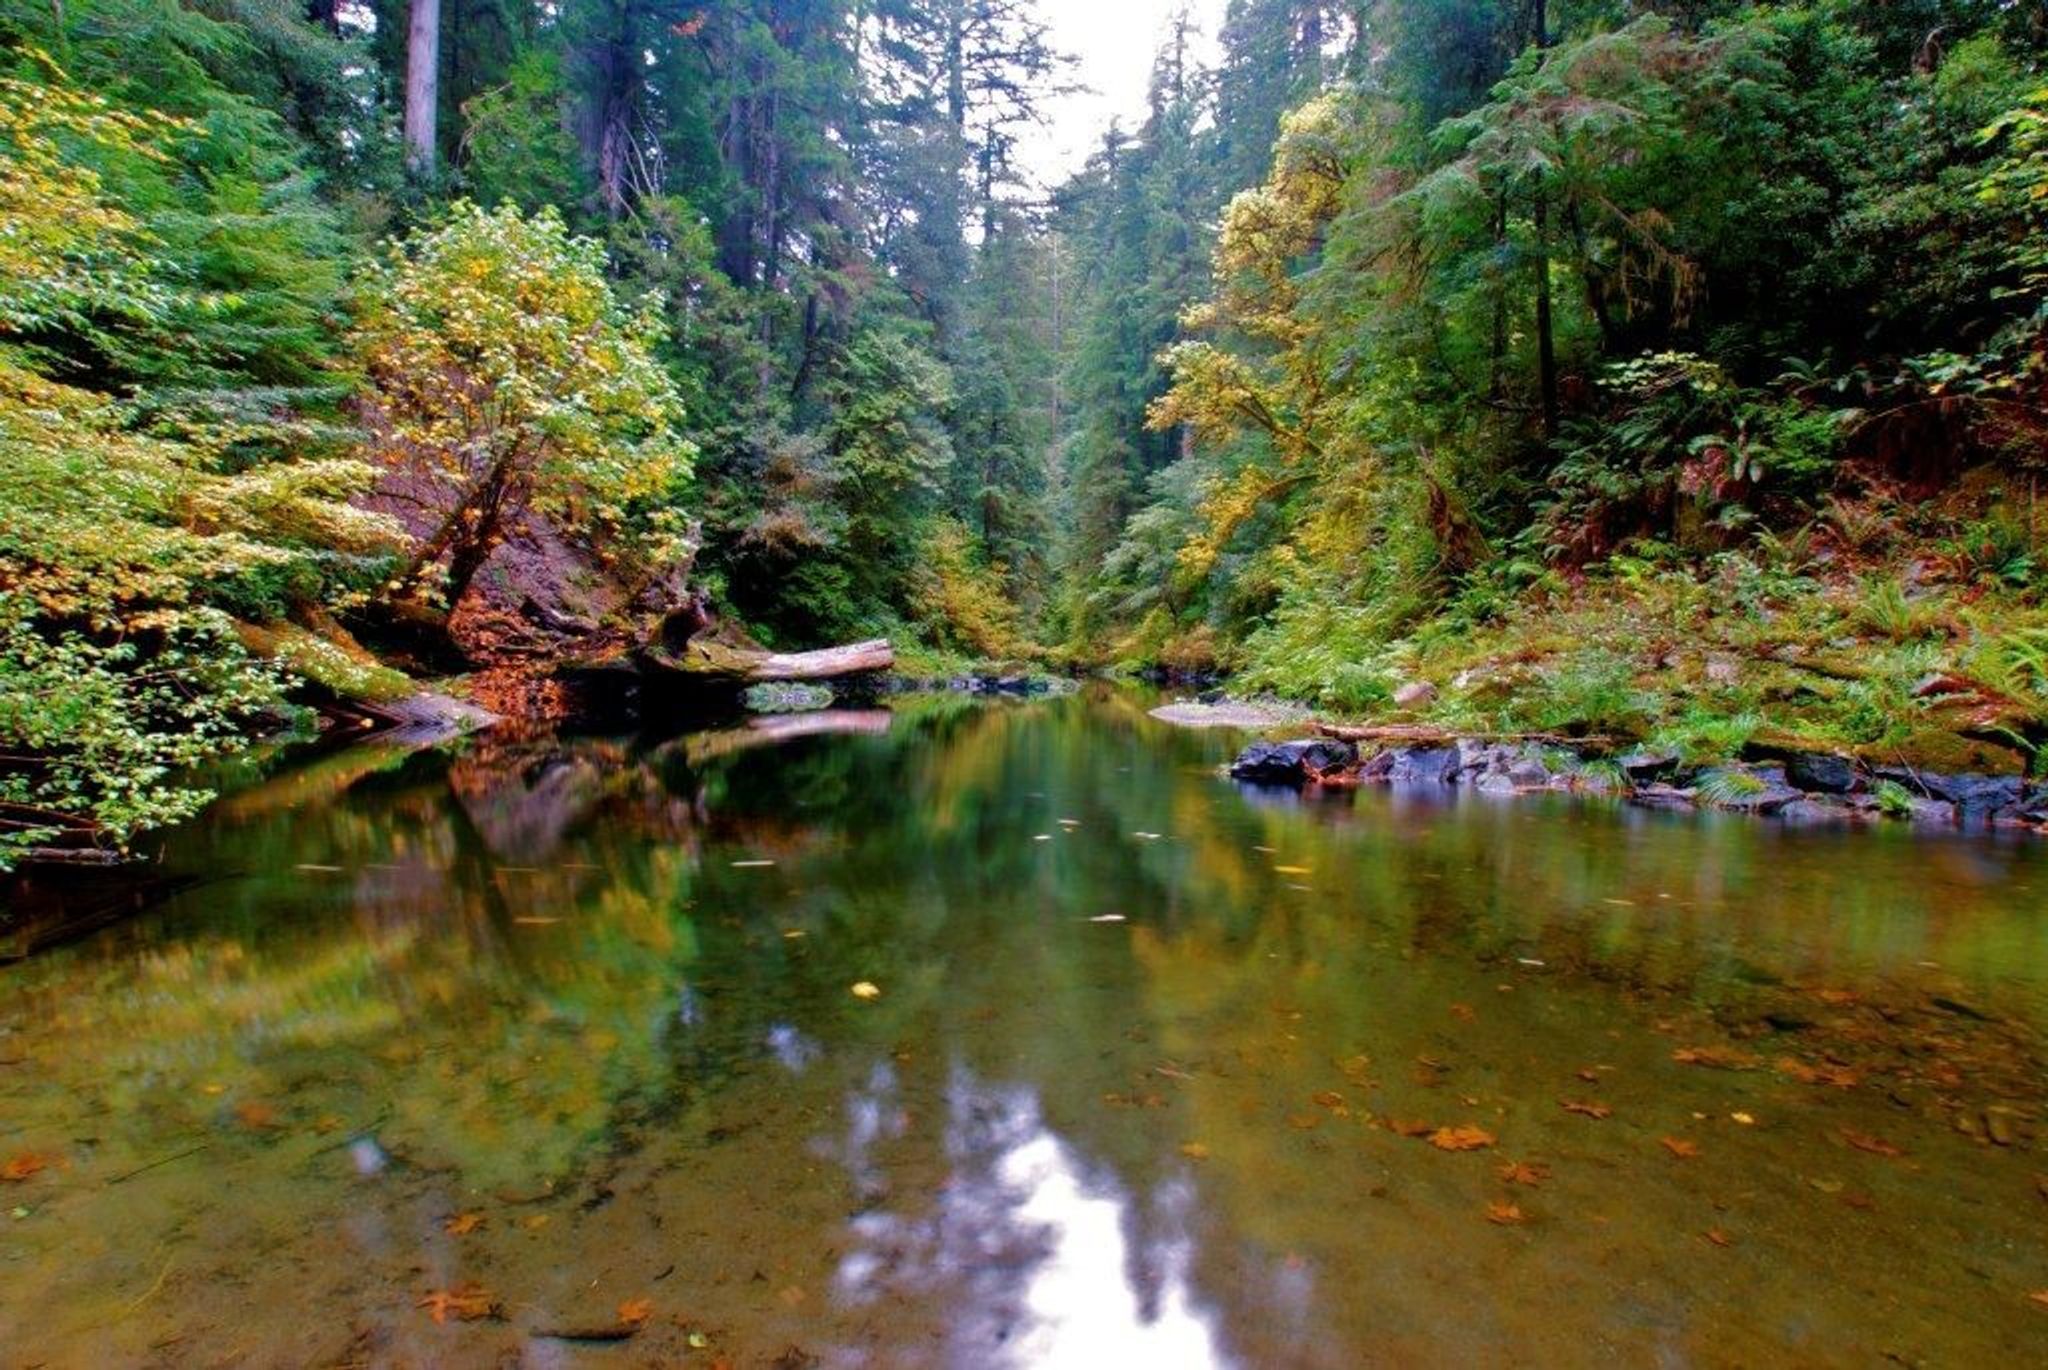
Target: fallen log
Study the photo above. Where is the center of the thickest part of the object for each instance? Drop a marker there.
(708, 659)
(1424, 735)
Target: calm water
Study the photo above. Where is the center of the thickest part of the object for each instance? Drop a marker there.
(567, 1033)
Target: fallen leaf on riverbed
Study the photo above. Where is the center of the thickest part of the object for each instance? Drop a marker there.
(1407, 1127)
(1327, 1098)
(21, 1167)
(1466, 1138)
(1524, 1172)
(256, 1116)
(1876, 1146)
(1462, 1012)
(1585, 1108)
(1715, 1058)
(1304, 1122)
(1506, 1214)
(1718, 1237)
(1194, 1151)
(1825, 1073)
(1680, 1147)
(636, 1311)
(2039, 1296)
(466, 1302)
(867, 989)
(462, 1224)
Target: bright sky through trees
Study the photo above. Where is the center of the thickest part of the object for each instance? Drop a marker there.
(1113, 42)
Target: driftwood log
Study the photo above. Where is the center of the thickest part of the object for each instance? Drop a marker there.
(712, 660)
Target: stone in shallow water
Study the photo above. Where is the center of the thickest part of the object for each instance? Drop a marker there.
(1821, 772)
(1292, 763)
(1423, 765)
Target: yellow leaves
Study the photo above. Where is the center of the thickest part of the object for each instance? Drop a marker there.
(866, 989)
(466, 1302)
(462, 1224)
(1194, 1151)
(1466, 1138)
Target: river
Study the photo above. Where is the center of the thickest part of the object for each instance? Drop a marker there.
(983, 1034)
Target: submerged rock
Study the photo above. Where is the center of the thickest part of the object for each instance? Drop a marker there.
(1821, 772)
(1423, 765)
(1293, 763)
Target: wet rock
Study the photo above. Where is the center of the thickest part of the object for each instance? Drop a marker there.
(1644, 767)
(1771, 799)
(1292, 763)
(1821, 772)
(1974, 798)
(1377, 766)
(786, 698)
(1496, 782)
(1423, 765)
(1658, 796)
(1416, 694)
(1814, 812)
(1932, 813)
(1529, 773)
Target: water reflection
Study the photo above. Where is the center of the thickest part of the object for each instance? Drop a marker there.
(1139, 1092)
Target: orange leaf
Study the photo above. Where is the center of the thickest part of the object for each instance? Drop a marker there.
(23, 1166)
(1841, 1077)
(1194, 1151)
(256, 1116)
(1584, 1107)
(1328, 1098)
(1717, 1058)
(2040, 1296)
(1680, 1147)
(1466, 1138)
(1462, 1012)
(1876, 1146)
(1505, 1213)
(466, 1302)
(1405, 1127)
(1524, 1172)
(636, 1311)
(462, 1224)
(1718, 1237)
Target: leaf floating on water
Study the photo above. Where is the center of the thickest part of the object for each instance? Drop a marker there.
(1043, 837)
(1824, 1073)
(1466, 1138)
(1714, 1058)
(1531, 1173)
(1505, 1214)
(634, 1312)
(256, 1116)
(866, 989)
(1876, 1146)
(1680, 1147)
(19, 1168)
(1107, 918)
(750, 865)
(1718, 1237)
(1585, 1108)
(1194, 1151)
(466, 1302)
(462, 1224)
(1292, 870)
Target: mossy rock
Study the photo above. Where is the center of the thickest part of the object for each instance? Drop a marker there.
(1946, 753)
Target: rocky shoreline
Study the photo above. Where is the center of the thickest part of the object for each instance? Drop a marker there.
(1806, 788)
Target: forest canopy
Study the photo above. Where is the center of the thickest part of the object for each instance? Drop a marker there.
(1457, 340)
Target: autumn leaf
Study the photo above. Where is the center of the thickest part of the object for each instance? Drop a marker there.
(634, 1312)
(1462, 1012)
(1194, 1151)
(256, 1116)
(1524, 1172)
(866, 989)
(1825, 1073)
(1304, 1122)
(1328, 1098)
(1876, 1146)
(2039, 1296)
(1466, 1138)
(1680, 1147)
(466, 1302)
(1718, 1237)
(1504, 1213)
(462, 1224)
(1585, 1108)
(1408, 1127)
(1715, 1058)
(20, 1167)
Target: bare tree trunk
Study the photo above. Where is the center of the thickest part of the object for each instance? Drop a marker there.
(422, 85)
(1546, 339)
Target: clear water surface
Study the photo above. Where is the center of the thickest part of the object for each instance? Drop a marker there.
(571, 1044)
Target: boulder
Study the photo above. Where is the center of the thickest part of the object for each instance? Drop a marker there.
(1293, 763)
(1416, 694)
(1820, 772)
(1424, 765)
(1643, 767)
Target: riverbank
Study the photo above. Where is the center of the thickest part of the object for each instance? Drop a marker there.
(1792, 785)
